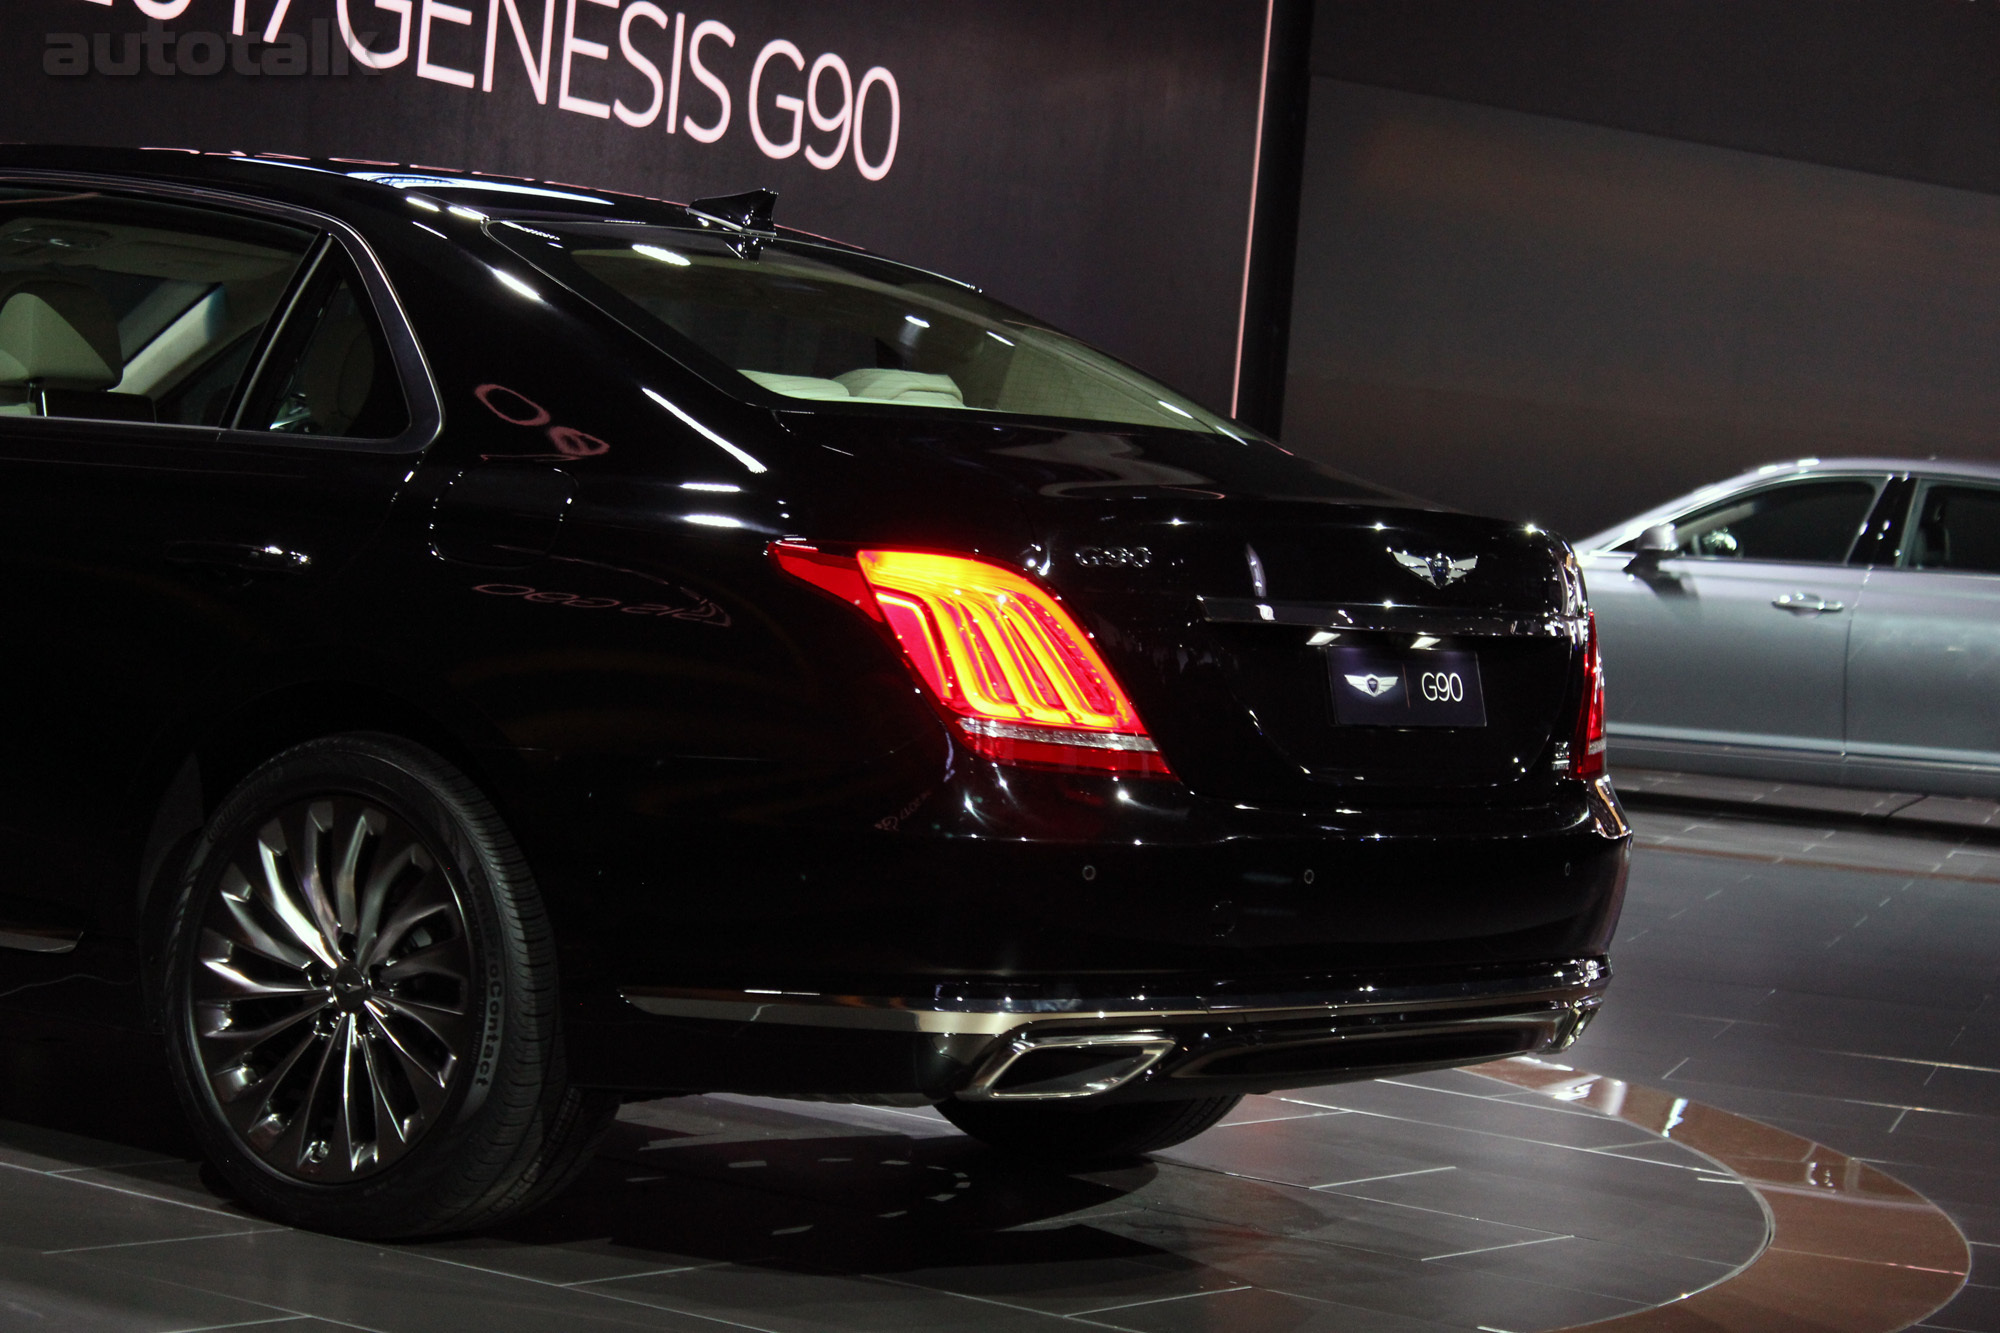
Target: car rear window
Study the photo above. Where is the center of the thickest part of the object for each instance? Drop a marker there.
(822, 328)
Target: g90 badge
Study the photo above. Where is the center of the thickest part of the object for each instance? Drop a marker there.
(1372, 688)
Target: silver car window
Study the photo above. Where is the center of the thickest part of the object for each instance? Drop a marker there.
(1957, 528)
(1813, 521)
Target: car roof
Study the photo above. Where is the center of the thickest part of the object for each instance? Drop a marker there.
(336, 184)
(1926, 467)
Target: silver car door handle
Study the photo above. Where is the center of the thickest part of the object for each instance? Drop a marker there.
(1806, 604)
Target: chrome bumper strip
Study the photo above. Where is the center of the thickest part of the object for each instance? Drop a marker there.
(1574, 984)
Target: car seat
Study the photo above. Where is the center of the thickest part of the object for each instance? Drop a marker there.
(338, 374)
(903, 386)
(54, 334)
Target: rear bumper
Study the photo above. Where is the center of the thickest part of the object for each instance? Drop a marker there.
(987, 968)
(1112, 1047)
(1153, 885)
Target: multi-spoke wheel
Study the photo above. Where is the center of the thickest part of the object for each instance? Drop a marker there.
(333, 1004)
(362, 998)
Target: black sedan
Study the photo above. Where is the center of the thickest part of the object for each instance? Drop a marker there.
(479, 650)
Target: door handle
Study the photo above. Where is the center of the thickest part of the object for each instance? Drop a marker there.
(1806, 604)
(245, 557)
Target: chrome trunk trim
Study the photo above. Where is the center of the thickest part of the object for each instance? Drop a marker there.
(1384, 617)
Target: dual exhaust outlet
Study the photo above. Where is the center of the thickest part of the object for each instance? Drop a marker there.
(1049, 1066)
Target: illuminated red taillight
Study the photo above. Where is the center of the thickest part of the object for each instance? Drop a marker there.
(1588, 746)
(1021, 680)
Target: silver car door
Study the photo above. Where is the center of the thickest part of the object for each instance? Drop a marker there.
(1729, 653)
(1923, 705)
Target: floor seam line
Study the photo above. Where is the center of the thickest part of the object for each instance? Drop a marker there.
(1162, 1300)
(674, 1309)
(130, 1193)
(1486, 1133)
(1393, 1175)
(583, 1283)
(166, 1240)
(1489, 1249)
(243, 1323)
(981, 1300)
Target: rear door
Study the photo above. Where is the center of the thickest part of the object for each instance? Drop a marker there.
(1739, 638)
(1924, 664)
(173, 518)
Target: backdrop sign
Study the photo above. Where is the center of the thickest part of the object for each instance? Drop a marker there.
(1094, 163)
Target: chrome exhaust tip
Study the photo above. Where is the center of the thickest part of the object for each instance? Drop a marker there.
(1033, 1067)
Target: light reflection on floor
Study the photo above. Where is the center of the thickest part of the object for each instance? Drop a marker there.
(1836, 983)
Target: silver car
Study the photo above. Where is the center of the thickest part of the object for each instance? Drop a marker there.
(1830, 621)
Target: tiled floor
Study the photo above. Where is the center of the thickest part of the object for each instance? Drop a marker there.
(1901, 809)
(1839, 983)
(1441, 1201)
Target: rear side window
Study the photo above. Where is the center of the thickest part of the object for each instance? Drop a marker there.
(1805, 521)
(1957, 528)
(329, 372)
(133, 310)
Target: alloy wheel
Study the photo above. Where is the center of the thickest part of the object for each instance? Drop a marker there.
(333, 997)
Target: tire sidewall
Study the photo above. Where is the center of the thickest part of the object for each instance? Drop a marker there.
(470, 845)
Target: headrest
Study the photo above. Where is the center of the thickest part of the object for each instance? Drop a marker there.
(56, 334)
(339, 371)
(903, 386)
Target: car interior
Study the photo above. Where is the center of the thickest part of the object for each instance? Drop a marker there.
(120, 311)
(802, 326)
(1958, 528)
(342, 382)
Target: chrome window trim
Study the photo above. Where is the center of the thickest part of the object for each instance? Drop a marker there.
(412, 366)
(274, 332)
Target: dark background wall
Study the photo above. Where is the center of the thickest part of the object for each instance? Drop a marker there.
(1561, 259)
(1091, 162)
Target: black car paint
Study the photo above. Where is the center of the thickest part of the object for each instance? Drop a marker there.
(723, 778)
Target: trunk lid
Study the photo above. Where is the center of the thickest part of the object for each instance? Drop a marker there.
(1251, 630)
(1222, 576)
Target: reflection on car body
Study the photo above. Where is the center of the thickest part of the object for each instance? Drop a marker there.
(1832, 621)
(500, 650)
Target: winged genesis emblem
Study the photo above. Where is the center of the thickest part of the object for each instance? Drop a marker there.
(1436, 570)
(1374, 686)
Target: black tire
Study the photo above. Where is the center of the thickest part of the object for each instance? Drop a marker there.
(360, 999)
(1075, 1132)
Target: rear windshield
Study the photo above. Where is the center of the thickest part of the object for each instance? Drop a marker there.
(804, 325)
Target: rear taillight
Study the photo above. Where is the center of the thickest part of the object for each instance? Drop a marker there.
(1588, 747)
(1021, 680)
